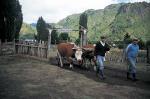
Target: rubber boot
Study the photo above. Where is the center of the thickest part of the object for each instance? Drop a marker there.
(134, 77)
(128, 75)
(102, 74)
(97, 71)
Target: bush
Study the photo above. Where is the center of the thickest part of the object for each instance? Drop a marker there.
(141, 44)
(92, 42)
(27, 36)
(148, 43)
(119, 44)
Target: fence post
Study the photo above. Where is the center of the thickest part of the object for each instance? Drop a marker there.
(0, 47)
(49, 43)
(148, 54)
(14, 46)
(39, 48)
(42, 49)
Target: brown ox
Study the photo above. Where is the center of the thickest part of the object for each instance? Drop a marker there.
(88, 55)
(89, 51)
(68, 50)
(90, 46)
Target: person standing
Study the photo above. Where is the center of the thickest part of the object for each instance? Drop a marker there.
(99, 54)
(131, 55)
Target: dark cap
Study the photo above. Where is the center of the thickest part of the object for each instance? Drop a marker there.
(103, 37)
(135, 39)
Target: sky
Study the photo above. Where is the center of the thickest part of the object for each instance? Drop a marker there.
(53, 11)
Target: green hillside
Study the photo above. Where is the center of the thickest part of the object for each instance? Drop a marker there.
(27, 31)
(114, 20)
(72, 22)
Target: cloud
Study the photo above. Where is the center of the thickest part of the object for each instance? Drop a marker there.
(55, 10)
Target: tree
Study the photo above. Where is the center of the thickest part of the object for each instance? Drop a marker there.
(42, 31)
(127, 38)
(10, 19)
(82, 27)
(18, 20)
(54, 37)
(64, 36)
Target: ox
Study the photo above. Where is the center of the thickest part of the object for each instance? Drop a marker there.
(69, 51)
(88, 55)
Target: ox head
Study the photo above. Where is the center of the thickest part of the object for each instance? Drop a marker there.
(78, 54)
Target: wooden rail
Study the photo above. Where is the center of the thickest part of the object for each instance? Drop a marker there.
(37, 50)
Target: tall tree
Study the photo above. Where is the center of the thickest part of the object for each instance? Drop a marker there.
(54, 37)
(42, 31)
(18, 20)
(10, 19)
(82, 28)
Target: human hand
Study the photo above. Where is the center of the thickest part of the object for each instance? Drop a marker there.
(94, 58)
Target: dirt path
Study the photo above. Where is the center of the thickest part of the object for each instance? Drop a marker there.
(25, 78)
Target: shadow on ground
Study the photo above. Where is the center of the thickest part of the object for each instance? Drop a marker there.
(114, 76)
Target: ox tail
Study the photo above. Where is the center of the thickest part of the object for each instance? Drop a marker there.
(59, 58)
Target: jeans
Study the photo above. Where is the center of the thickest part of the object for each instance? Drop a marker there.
(100, 62)
(131, 64)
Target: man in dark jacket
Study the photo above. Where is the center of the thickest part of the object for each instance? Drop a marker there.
(100, 49)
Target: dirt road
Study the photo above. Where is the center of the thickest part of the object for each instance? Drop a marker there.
(25, 78)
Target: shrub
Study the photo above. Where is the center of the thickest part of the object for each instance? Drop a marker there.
(141, 44)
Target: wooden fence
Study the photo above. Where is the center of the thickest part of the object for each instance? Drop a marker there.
(34, 49)
(116, 56)
(7, 48)
(148, 54)
(37, 50)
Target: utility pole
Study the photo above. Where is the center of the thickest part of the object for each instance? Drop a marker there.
(83, 36)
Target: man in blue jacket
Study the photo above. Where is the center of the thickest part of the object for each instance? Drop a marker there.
(100, 49)
(131, 55)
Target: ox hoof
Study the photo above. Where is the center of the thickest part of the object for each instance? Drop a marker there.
(71, 66)
(95, 68)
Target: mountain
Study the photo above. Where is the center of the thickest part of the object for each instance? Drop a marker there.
(27, 31)
(114, 21)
